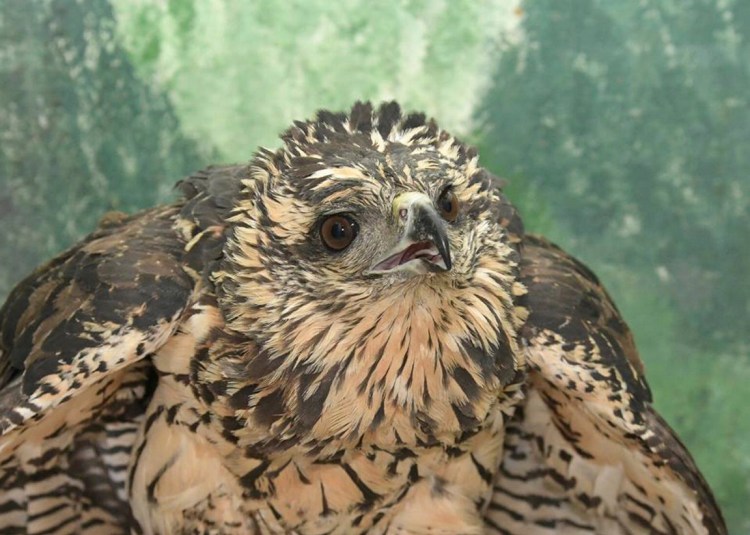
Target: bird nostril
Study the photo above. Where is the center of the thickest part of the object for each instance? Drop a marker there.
(403, 213)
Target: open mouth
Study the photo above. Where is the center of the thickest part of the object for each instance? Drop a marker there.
(423, 250)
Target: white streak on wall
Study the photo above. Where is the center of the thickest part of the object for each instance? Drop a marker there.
(239, 72)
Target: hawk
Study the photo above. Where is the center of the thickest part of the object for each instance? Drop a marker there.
(350, 334)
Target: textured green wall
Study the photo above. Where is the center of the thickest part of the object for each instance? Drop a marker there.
(623, 128)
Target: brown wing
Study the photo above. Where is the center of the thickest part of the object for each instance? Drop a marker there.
(74, 380)
(587, 452)
(72, 387)
(95, 309)
(110, 300)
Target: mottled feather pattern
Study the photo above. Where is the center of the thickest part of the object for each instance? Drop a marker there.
(586, 452)
(211, 367)
(74, 329)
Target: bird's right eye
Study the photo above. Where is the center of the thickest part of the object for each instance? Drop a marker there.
(338, 232)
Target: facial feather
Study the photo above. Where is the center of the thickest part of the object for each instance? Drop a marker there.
(420, 356)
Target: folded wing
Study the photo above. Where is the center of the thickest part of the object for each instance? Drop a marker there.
(587, 452)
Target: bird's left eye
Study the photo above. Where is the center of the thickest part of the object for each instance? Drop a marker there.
(338, 232)
(448, 205)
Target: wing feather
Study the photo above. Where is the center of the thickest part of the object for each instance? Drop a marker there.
(74, 380)
(95, 309)
(587, 452)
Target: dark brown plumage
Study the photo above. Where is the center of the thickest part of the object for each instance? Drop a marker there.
(350, 334)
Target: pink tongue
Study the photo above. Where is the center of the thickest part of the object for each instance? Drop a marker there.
(413, 250)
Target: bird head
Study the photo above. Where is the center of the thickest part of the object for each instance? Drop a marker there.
(367, 244)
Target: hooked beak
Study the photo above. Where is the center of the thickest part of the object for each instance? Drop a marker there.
(424, 242)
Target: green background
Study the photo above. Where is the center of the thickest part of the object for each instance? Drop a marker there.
(623, 129)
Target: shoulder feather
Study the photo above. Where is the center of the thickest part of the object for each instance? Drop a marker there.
(97, 308)
(587, 441)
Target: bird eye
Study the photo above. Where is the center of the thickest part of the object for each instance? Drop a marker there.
(448, 205)
(338, 232)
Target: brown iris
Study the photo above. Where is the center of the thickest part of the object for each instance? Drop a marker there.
(338, 231)
(448, 205)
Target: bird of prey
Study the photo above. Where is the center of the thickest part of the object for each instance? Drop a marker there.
(350, 334)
